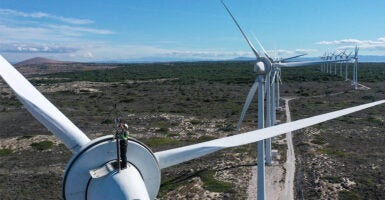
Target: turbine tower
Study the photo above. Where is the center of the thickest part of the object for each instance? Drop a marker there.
(355, 68)
(347, 57)
(262, 67)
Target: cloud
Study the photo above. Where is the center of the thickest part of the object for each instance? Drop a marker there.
(369, 45)
(286, 53)
(16, 13)
(74, 30)
(35, 48)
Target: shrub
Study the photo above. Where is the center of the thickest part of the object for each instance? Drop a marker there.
(4, 152)
(210, 183)
(43, 145)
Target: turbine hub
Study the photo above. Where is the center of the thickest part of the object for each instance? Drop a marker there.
(262, 66)
(79, 184)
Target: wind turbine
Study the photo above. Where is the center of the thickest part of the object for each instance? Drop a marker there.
(355, 68)
(323, 58)
(347, 57)
(271, 68)
(335, 63)
(330, 63)
(341, 58)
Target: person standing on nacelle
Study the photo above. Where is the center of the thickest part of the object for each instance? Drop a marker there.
(123, 134)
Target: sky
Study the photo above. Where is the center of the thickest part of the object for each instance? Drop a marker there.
(94, 31)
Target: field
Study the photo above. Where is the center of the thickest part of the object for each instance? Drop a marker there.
(174, 104)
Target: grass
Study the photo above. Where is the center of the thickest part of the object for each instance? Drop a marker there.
(337, 153)
(25, 137)
(43, 145)
(332, 179)
(318, 140)
(214, 185)
(159, 141)
(348, 195)
(4, 152)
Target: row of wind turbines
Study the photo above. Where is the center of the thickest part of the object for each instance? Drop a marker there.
(268, 78)
(330, 67)
(90, 173)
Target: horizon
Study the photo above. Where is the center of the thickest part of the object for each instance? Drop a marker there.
(179, 30)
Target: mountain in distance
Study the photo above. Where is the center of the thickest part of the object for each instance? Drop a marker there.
(38, 61)
(40, 65)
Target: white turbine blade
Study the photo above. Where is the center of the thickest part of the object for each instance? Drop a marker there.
(243, 33)
(289, 58)
(306, 63)
(279, 76)
(175, 156)
(250, 96)
(42, 109)
(274, 76)
(263, 49)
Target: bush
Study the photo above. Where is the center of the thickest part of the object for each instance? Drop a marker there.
(348, 195)
(210, 183)
(159, 141)
(44, 145)
(4, 152)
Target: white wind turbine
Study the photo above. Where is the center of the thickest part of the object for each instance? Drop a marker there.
(271, 69)
(323, 58)
(341, 58)
(347, 58)
(355, 68)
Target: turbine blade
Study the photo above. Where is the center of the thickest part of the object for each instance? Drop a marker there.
(249, 98)
(263, 49)
(243, 33)
(289, 58)
(175, 156)
(42, 109)
(279, 76)
(306, 63)
(274, 76)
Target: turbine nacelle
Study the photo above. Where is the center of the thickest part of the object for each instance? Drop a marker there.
(262, 66)
(91, 172)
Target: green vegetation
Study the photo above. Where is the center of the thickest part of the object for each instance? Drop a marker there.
(212, 184)
(25, 137)
(159, 141)
(43, 145)
(205, 138)
(182, 73)
(337, 153)
(348, 195)
(4, 152)
(318, 140)
(332, 179)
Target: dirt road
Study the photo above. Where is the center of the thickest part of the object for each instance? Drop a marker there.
(275, 188)
(290, 161)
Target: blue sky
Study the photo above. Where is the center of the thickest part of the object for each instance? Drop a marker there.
(186, 29)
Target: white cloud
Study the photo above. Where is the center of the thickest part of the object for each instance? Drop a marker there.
(75, 30)
(16, 13)
(288, 53)
(369, 45)
(35, 48)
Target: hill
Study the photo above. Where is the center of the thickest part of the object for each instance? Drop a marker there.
(38, 61)
(40, 65)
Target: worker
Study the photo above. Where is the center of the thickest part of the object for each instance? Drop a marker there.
(123, 137)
